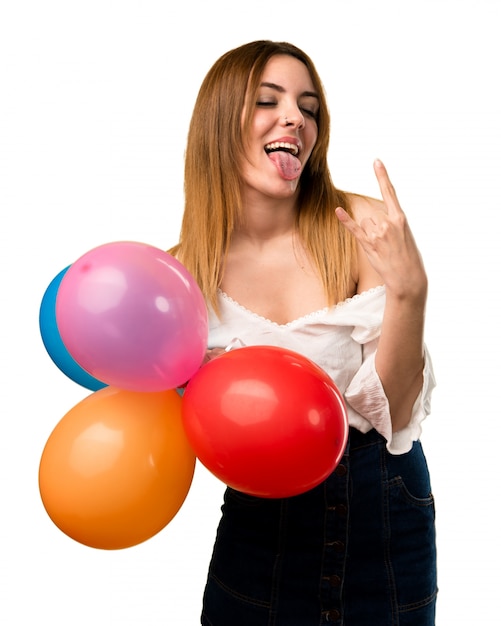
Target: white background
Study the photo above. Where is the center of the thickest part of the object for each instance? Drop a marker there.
(95, 102)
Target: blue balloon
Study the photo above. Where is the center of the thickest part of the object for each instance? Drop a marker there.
(53, 342)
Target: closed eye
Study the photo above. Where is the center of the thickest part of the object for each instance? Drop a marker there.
(310, 112)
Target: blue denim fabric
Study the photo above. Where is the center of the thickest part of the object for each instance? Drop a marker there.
(358, 550)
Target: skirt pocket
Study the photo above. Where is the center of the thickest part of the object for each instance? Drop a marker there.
(410, 532)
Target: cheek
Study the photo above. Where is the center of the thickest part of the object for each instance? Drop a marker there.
(259, 127)
(311, 136)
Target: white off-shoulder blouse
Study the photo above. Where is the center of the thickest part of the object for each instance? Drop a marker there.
(342, 340)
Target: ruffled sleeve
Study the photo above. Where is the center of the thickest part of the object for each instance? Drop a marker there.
(365, 393)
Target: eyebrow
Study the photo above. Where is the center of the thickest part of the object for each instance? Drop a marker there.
(280, 89)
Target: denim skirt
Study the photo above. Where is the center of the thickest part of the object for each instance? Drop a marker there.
(358, 550)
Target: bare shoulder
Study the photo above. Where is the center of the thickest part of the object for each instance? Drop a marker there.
(364, 206)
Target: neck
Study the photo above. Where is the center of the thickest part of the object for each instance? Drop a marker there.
(265, 220)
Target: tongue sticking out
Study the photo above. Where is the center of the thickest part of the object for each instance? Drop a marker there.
(288, 166)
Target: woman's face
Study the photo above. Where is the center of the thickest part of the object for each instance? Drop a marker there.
(283, 130)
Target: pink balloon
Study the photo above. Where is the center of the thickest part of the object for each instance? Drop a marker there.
(133, 317)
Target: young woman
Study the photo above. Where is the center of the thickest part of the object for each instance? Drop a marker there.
(284, 258)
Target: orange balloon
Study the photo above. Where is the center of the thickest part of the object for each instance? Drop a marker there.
(117, 467)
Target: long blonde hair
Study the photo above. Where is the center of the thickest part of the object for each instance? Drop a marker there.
(212, 182)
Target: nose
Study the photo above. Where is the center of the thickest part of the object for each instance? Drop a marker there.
(294, 118)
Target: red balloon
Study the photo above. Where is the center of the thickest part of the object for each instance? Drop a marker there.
(266, 421)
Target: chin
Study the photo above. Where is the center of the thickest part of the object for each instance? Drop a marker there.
(289, 187)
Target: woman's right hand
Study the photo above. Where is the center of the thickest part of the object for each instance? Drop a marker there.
(212, 354)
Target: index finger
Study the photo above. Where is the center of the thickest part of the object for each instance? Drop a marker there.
(388, 192)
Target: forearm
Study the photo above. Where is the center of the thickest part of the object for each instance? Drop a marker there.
(399, 358)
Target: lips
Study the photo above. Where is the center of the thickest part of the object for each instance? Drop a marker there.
(282, 145)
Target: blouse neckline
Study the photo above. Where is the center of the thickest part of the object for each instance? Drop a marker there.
(303, 318)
